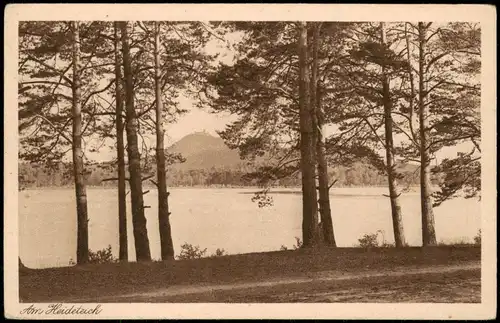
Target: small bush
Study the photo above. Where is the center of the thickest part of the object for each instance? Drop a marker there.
(371, 241)
(103, 256)
(477, 238)
(188, 251)
(368, 241)
(296, 246)
(219, 253)
(298, 243)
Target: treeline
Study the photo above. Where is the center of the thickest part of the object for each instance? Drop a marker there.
(389, 91)
(386, 91)
(39, 176)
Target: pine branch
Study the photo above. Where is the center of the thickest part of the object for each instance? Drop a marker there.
(97, 92)
(45, 82)
(113, 179)
(127, 179)
(397, 195)
(53, 69)
(434, 60)
(333, 183)
(147, 177)
(54, 127)
(444, 140)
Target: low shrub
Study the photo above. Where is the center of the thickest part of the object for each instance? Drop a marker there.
(298, 243)
(296, 246)
(103, 256)
(371, 241)
(477, 238)
(188, 251)
(368, 240)
(219, 253)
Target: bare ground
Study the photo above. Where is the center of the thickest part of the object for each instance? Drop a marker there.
(439, 274)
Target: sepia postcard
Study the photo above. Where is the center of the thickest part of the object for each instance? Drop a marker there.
(272, 161)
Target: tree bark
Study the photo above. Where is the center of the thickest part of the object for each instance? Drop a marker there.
(428, 229)
(134, 159)
(324, 187)
(397, 217)
(319, 143)
(82, 249)
(167, 248)
(309, 196)
(120, 149)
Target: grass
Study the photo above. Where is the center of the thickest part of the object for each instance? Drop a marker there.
(462, 286)
(99, 281)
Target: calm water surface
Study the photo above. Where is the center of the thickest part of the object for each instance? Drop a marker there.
(223, 218)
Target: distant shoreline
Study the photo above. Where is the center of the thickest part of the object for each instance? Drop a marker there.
(272, 189)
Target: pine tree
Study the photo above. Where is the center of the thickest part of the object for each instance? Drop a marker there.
(307, 146)
(134, 159)
(397, 218)
(320, 150)
(167, 248)
(120, 150)
(82, 251)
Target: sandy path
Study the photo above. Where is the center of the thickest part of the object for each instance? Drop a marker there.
(317, 277)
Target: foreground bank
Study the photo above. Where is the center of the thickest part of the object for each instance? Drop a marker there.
(436, 274)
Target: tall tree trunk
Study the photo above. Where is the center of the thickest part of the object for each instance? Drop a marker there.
(428, 230)
(120, 148)
(134, 159)
(324, 187)
(411, 106)
(82, 248)
(397, 218)
(322, 165)
(167, 248)
(309, 196)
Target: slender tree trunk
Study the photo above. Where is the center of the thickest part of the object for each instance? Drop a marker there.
(312, 66)
(322, 165)
(309, 196)
(428, 230)
(397, 217)
(82, 249)
(167, 248)
(412, 85)
(120, 148)
(324, 187)
(134, 159)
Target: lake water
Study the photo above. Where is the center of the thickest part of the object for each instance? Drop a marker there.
(223, 218)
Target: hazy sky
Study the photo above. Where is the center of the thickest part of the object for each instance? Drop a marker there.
(196, 119)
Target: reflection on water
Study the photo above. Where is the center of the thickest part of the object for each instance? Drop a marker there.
(223, 218)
